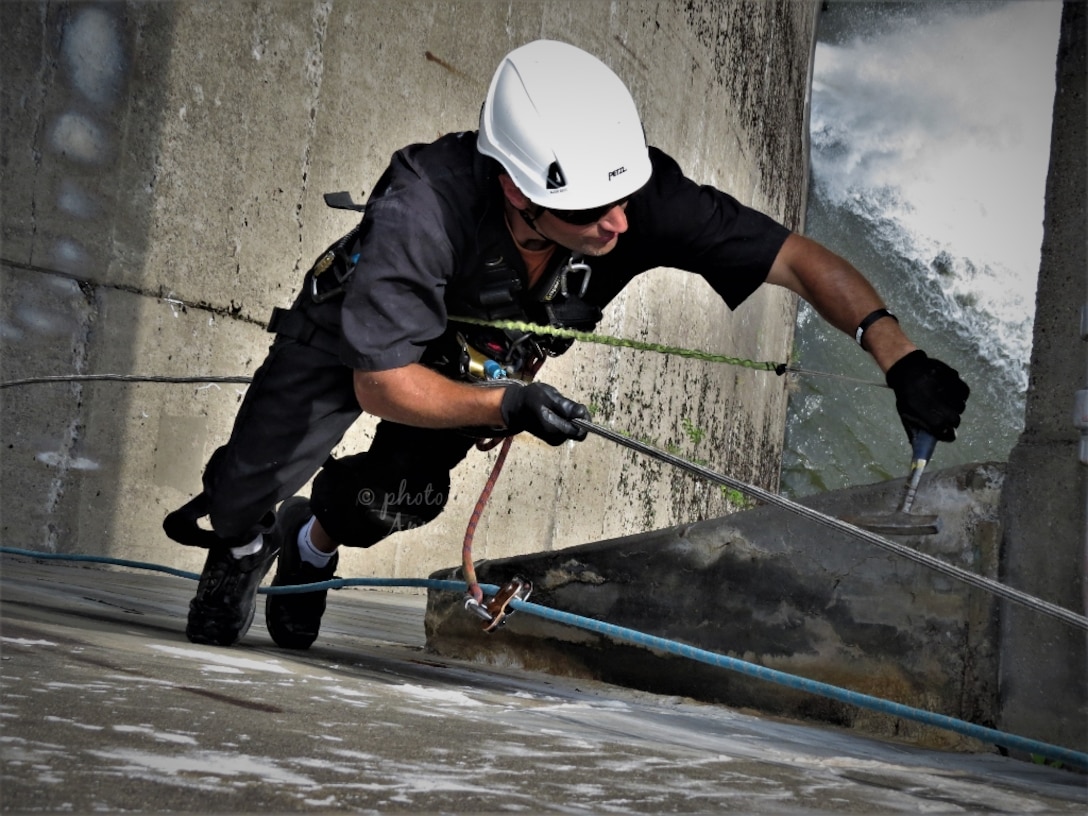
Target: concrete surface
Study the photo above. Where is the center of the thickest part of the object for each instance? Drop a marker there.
(1044, 669)
(770, 587)
(105, 706)
(162, 172)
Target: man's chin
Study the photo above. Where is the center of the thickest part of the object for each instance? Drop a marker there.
(595, 249)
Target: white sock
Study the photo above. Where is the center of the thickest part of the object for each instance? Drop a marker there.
(248, 549)
(306, 549)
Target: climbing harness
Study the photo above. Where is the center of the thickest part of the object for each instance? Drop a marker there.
(488, 356)
(325, 281)
(565, 306)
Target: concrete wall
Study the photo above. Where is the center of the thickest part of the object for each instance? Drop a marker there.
(1044, 666)
(163, 165)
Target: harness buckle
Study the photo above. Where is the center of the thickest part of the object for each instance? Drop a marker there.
(324, 263)
(341, 264)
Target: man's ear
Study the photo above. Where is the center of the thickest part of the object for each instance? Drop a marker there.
(515, 196)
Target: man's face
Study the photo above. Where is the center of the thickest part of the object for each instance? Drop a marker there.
(596, 238)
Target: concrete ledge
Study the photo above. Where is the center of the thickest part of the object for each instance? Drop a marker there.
(767, 586)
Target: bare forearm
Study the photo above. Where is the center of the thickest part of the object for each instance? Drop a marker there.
(841, 295)
(415, 395)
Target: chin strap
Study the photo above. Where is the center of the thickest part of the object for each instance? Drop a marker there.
(530, 219)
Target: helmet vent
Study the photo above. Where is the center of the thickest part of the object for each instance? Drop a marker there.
(555, 179)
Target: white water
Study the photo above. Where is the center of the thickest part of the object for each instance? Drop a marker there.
(930, 144)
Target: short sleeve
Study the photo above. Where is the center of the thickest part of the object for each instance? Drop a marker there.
(701, 229)
(394, 305)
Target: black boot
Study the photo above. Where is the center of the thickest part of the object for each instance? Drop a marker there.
(294, 620)
(226, 596)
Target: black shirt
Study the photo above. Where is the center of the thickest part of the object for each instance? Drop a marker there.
(434, 244)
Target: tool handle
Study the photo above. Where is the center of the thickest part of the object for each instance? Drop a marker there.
(921, 451)
(922, 445)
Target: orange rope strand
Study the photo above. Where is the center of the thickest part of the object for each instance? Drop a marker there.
(466, 546)
(470, 531)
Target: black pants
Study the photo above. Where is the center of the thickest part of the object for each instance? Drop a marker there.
(298, 408)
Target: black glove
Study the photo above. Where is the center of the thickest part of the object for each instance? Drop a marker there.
(542, 411)
(929, 395)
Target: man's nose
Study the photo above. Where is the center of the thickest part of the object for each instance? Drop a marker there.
(615, 220)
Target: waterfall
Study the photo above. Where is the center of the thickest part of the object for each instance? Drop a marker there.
(930, 134)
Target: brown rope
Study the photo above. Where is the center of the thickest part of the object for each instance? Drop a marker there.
(485, 494)
(466, 547)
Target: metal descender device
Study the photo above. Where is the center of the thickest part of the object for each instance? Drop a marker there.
(495, 610)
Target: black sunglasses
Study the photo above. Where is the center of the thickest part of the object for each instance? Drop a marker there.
(582, 218)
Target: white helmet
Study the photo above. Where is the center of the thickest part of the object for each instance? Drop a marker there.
(564, 127)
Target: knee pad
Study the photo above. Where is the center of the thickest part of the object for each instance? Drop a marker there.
(359, 505)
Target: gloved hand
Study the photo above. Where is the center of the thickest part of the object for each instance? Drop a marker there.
(929, 395)
(542, 411)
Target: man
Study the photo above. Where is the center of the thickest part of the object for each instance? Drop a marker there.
(544, 215)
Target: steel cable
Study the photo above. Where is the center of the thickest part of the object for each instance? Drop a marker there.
(758, 493)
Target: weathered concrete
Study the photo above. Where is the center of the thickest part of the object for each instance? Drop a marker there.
(770, 587)
(163, 165)
(1044, 667)
(106, 707)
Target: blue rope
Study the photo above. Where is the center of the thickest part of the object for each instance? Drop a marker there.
(1052, 752)
(297, 589)
(97, 559)
(804, 684)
